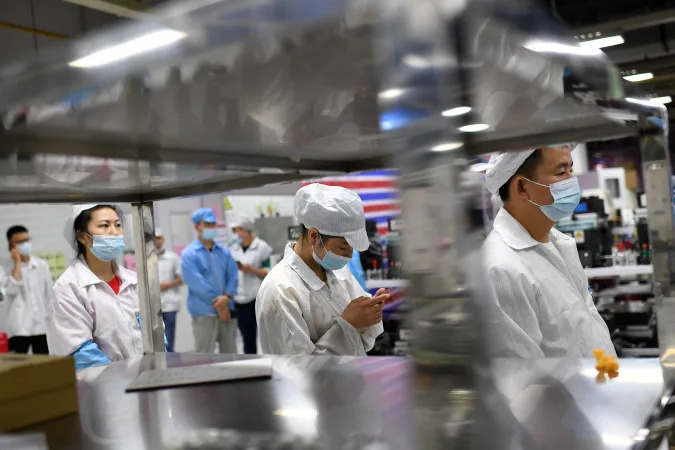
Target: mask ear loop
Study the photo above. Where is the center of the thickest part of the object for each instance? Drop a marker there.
(544, 185)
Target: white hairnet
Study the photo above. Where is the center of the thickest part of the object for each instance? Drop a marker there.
(242, 222)
(69, 226)
(501, 167)
(158, 232)
(334, 211)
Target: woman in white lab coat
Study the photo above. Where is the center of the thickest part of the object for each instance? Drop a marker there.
(95, 316)
(310, 303)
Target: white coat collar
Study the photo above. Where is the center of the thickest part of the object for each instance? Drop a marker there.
(85, 277)
(32, 262)
(516, 236)
(302, 269)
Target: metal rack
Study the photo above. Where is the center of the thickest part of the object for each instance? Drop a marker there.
(234, 94)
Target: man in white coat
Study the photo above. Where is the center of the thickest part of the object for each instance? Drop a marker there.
(544, 304)
(28, 293)
(310, 303)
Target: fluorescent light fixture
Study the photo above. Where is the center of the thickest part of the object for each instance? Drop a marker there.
(416, 61)
(391, 93)
(643, 102)
(557, 47)
(603, 42)
(447, 146)
(478, 167)
(296, 413)
(650, 101)
(639, 77)
(474, 128)
(130, 48)
(456, 111)
(662, 100)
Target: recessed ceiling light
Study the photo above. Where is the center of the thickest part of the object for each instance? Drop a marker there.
(662, 100)
(639, 77)
(391, 93)
(603, 42)
(456, 111)
(560, 48)
(447, 146)
(133, 47)
(474, 127)
(478, 167)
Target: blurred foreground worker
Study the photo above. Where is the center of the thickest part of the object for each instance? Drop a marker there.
(310, 302)
(28, 294)
(169, 286)
(252, 255)
(542, 293)
(96, 313)
(211, 275)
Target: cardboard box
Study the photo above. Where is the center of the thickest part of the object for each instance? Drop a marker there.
(35, 388)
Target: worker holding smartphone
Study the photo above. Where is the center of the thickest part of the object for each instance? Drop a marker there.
(310, 303)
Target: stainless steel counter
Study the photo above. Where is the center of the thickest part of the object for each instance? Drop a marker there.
(327, 400)
(564, 404)
(334, 402)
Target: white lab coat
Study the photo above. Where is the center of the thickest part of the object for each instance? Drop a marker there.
(87, 309)
(544, 304)
(298, 314)
(169, 270)
(256, 254)
(28, 299)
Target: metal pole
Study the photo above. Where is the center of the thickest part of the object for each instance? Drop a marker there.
(659, 189)
(148, 278)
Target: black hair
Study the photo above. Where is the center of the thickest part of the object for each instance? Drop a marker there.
(16, 229)
(82, 224)
(528, 169)
(303, 231)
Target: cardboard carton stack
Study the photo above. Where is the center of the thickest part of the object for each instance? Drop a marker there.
(35, 388)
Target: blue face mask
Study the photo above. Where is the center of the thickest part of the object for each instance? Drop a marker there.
(330, 261)
(566, 196)
(236, 239)
(107, 247)
(209, 234)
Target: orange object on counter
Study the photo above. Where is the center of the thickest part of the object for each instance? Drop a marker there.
(605, 363)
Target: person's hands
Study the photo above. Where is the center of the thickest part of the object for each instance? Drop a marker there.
(224, 314)
(364, 311)
(221, 301)
(16, 255)
(164, 286)
(246, 268)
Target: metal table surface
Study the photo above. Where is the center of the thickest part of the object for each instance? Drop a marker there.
(553, 404)
(565, 404)
(322, 398)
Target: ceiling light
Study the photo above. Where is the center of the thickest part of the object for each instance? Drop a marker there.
(446, 146)
(608, 41)
(474, 127)
(662, 100)
(557, 47)
(416, 61)
(129, 48)
(456, 111)
(650, 101)
(391, 93)
(296, 413)
(478, 167)
(639, 77)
